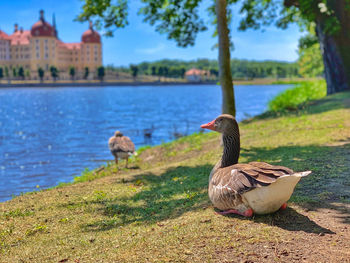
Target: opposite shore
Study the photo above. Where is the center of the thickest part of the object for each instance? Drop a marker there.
(92, 83)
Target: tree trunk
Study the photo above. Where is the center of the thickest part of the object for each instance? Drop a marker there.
(228, 101)
(335, 49)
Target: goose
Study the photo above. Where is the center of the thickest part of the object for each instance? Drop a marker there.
(246, 188)
(121, 147)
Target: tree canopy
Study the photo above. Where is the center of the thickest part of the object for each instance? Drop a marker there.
(180, 20)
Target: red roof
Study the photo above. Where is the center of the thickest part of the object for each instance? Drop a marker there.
(70, 46)
(91, 36)
(42, 29)
(3, 35)
(20, 37)
(195, 71)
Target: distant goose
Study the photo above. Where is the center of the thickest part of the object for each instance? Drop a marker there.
(244, 189)
(121, 147)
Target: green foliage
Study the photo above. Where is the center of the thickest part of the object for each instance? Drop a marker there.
(308, 40)
(41, 73)
(154, 71)
(241, 68)
(86, 72)
(6, 72)
(108, 14)
(134, 70)
(310, 61)
(291, 99)
(21, 72)
(27, 73)
(1, 73)
(101, 72)
(54, 72)
(72, 72)
(303, 12)
(178, 19)
(14, 72)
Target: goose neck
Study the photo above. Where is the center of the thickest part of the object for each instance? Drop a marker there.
(231, 150)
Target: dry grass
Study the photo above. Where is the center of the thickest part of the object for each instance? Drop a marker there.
(158, 211)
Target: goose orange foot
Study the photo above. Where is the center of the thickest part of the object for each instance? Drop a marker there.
(283, 207)
(246, 213)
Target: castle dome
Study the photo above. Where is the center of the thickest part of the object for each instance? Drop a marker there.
(91, 36)
(42, 28)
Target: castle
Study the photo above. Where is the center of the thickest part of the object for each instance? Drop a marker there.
(40, 47)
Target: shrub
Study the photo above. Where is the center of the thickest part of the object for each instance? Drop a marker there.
(290, 99)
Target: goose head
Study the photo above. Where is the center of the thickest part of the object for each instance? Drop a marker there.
(225, 124)
(118, 134)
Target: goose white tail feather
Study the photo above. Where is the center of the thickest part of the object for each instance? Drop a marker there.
(302, 174)
(268, 199)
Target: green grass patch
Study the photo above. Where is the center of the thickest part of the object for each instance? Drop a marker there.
(37, 228)
(17, 213)
(143, 148)
(303, 92)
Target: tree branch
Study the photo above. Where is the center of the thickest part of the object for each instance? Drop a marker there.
(289, 3)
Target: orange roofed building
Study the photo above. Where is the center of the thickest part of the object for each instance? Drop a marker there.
(197, 75)
(40, 47)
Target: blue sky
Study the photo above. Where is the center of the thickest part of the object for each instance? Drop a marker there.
(139, 42)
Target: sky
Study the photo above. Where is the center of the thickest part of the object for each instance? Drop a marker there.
(140, 42)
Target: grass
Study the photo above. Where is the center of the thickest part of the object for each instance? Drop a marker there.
(158, 210)
(293, 98)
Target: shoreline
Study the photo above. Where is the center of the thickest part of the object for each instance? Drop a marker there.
(101, 84)
(146, 83)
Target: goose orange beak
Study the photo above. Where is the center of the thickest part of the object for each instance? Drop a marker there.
(209, 125)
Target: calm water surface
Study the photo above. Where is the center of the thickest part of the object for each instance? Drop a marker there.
(49, 135)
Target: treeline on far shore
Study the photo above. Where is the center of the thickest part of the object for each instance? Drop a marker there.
(240, 68)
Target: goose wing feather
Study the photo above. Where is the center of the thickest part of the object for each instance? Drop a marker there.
(121, 144)
(240, 178)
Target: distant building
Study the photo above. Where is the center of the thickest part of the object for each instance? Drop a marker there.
(41, 47)
(197, 75)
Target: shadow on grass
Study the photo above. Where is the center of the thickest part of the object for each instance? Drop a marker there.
(290, 220)
(182, 189)
(328, 186)
(161, 197)
(337, 101)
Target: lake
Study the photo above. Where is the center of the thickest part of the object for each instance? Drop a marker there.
(49, 135)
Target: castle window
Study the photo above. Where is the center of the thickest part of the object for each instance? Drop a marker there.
(37, 55)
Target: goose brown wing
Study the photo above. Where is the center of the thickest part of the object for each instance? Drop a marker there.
(125, 144)
(240, 178)
(112, 143)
